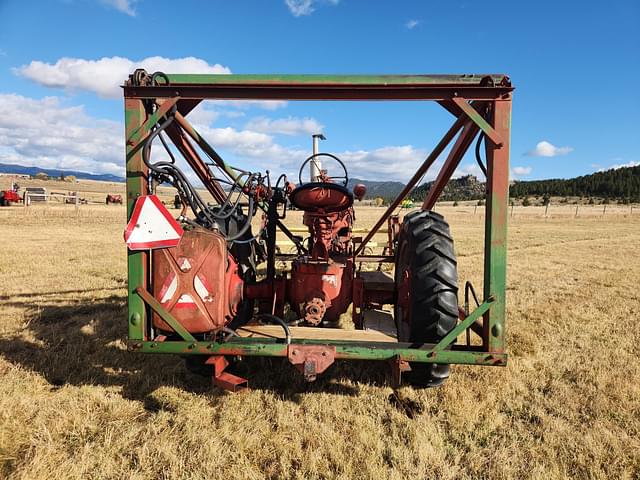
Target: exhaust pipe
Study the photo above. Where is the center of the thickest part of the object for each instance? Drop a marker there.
(315, 166)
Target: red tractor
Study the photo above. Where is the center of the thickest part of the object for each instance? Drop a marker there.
(9, 197)
(319, 288)
(207, 282)
(111, 199)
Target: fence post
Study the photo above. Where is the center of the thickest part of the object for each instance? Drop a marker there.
(576, 211)
(512, 205)
(475, 207)
(546, 207)
(604, 209)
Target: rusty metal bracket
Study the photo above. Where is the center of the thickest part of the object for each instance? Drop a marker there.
(226, 380)
(398, 367)
(311, 360)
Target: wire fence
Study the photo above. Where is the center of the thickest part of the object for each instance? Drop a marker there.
(546, 211)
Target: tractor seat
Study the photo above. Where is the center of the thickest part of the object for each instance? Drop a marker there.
(321, 197)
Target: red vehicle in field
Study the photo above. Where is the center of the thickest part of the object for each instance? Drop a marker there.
(113, 199)
(9, 197)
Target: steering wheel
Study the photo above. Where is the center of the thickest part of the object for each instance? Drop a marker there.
(344, 178)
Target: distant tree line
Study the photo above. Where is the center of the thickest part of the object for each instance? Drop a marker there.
(621, 183)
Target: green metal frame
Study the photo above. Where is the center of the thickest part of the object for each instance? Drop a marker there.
(453, 92)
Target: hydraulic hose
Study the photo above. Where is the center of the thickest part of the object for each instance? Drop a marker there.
(230, 333)
(168, 170)
(273, 319)
(247, 224)
(478, 159)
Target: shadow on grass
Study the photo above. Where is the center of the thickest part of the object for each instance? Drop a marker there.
(82, 342)
(21, 303)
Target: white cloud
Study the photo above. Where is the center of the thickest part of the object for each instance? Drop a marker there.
(522, 171)
(411, 24)
(631, 163)
(124, 6)
(104, 76)
(255, 145)
(47, 133)
(202, 115)
(546, 149)
(386, 163)
(299, 8)
(285, 126)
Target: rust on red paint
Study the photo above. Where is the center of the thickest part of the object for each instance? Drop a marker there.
(327, 282)
(311, 360)
(359, 191)
(191, 281)
(393, 230)
(496, 218)
(398, 367)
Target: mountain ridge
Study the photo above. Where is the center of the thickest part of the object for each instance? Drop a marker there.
(54, 172)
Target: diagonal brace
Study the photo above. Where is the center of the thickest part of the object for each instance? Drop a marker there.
(428, 162)
(462, 326)
(165, 315)
(209, 150)
(153, 119)
(469, 131)
(474, 115)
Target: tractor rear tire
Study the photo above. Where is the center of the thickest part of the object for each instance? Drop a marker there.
(426, 281)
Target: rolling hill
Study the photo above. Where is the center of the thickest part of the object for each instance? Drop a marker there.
(52, 172)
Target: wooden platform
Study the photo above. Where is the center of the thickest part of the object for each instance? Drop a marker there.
(315, 333)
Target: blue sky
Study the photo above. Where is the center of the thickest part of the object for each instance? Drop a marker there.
(574, 64)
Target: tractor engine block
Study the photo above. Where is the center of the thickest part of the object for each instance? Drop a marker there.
(320, 290)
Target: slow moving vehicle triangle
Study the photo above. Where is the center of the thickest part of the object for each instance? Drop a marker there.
(151, 226)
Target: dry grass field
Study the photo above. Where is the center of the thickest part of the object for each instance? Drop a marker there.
(75, 404)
